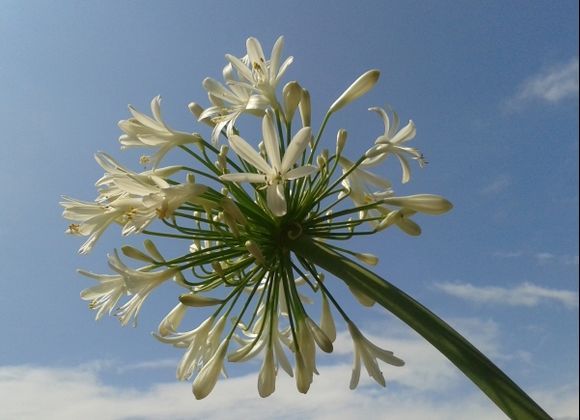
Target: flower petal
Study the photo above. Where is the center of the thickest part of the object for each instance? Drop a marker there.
(244, 177)
(276, 200)
(271, 142)
(249, 154)
(300, 172)
(295, 149)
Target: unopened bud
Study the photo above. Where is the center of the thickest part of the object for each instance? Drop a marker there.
(340, 141)
(369, 259)
(362, 298)
(152, 249)
(255, 251)
(134, 253)
(231, 209)
(217, 268)
(196, 300)
(423, 203)
(357, 89)
(292, 94)
(190, 178)
(304, 108)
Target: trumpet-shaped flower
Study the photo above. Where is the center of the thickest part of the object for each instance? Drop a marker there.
(369, 353)
(392, 142)
(229, 102)
(260, 74)
(279, 170)
(140, 284)
(104, 296)
(144, 131)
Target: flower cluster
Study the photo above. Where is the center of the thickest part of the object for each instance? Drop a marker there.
(240, 205)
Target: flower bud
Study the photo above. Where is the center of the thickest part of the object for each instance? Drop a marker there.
(195, 300)
(423, 203)
(340, 141)
(255, 251)
(359, 87)
(304, 108)
(369, 259)
(134, 253)
(292, 94)
(208, 375)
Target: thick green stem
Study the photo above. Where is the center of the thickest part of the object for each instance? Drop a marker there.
(506, 394)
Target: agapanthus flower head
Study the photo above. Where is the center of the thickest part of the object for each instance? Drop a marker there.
(245, 213)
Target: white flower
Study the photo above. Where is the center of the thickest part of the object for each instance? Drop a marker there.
(104, 296)
(121, 182)
(229, 103)
(194, 341)
(140, 284)
(278, 171)
(392, 142)
(359, 185)
(92, 219)
(260, 74)
(144, 131)
(369, 353)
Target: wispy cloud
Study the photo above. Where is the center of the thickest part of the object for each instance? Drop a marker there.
(548, 258)
(497, 185)
(525, 294)
(552, 85)
(542, 258)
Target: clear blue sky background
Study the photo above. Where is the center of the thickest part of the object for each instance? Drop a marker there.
(493, 89)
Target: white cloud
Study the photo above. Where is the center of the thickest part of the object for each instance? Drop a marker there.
(552, 85)
(28, 392)
(525, 294)
(427, 387)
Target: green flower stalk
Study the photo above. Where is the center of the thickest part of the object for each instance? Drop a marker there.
(260, 217)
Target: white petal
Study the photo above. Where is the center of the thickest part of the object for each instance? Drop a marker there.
(271, 141)
(354, 378)
(300, 172)
(255, 52)
(326, 320)
(275, 59)
(156, 110)
(244, 177)
(249, 154)
(276, 200)
(405, 167)
(267, 376)
(384, 116)
(295, 149)
(208, 376)
(406, 133)
(242, 69)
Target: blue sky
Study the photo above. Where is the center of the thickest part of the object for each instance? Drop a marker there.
(493, 90)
